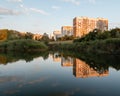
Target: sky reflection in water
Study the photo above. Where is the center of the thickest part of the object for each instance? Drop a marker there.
(58, 75)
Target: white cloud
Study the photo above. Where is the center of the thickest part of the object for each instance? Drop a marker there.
(15, 0)
(92, 1)
(55, 7)
(5, 11)
(39, 11)
(23, 7)
(27, 10)
(76, 2)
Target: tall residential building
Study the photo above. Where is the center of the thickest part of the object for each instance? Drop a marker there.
(102, 24)
(83, 25)
(67, 30)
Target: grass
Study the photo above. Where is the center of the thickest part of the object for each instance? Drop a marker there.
(107, 46)
(61, 42)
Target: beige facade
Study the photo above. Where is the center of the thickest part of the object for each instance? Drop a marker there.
(57, 34)
(67, 30)
(83, 25)
(37, 36)
(102, 24)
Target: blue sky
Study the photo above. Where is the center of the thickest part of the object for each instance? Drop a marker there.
(40, 16)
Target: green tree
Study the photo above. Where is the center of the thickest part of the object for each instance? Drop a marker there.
(28, 35)
(115, 33)
(45, 38)
(103, 35)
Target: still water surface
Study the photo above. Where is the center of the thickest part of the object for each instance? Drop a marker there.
(57, 75)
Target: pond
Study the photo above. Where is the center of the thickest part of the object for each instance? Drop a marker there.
(59, 74)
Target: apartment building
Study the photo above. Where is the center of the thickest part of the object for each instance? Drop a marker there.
(57, 34)
(102, 24)
(67, 30)
(83, 25)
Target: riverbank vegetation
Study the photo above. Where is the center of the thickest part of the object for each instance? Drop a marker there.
(107, 42)
(99, 35)
(108, 46)
(22, 45)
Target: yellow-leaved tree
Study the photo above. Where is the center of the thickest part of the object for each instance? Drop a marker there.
(3, 34)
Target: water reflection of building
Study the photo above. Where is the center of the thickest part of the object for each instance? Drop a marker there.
(56, 57)
(66, 62)
(80, 68)
(83, 70)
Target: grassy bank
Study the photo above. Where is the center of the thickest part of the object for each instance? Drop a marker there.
(22, 45)
(61, 42)
(107, 46)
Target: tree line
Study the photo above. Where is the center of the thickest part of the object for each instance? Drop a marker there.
(99, 35)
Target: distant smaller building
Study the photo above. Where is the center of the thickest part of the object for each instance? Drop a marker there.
(57, 34)
(56, 57)
(37, 36)
(67, 30)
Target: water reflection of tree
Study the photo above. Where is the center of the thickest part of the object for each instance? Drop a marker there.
(103, 61)
(13, 57)
(98, 62)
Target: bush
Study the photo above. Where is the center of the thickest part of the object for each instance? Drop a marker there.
(22, 45)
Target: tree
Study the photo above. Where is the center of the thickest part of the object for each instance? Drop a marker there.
(28, 35)
(45, 38)
(115, 33)
(104, 35)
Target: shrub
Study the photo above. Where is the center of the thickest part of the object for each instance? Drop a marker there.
(23, 45)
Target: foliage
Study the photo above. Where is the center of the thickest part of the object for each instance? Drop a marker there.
(64, 38)
(45, 38)
(115, 33)
(22, 45)
(3, 34)
(107, 46)
(98, 35)
(6, 34)
(28, 35)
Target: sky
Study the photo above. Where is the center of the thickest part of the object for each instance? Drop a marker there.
(45, 16)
